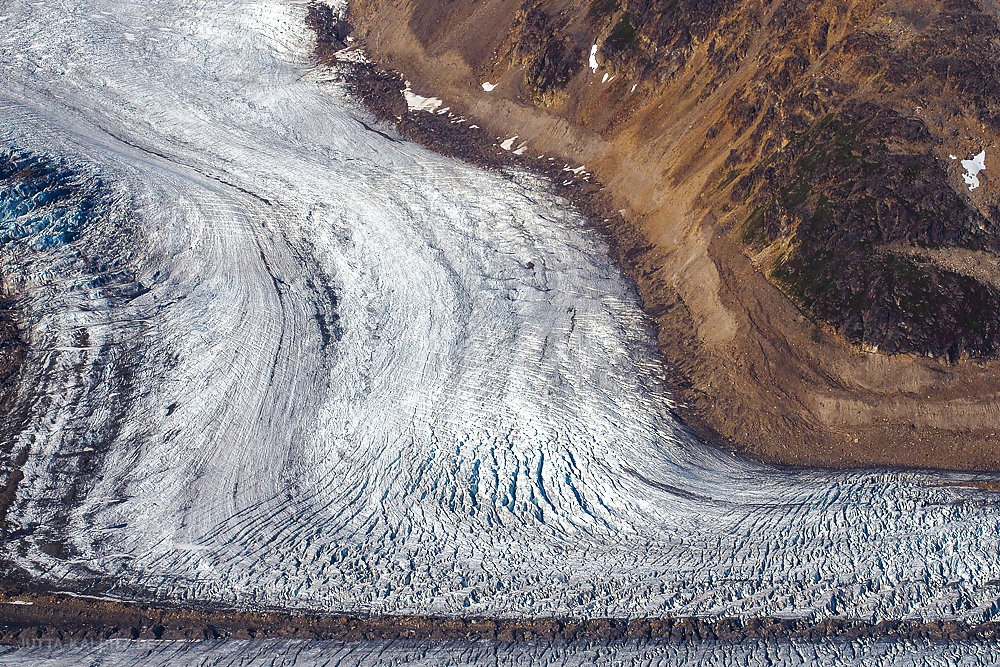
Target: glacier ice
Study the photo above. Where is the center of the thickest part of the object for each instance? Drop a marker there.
(351, 374)
(860, 653)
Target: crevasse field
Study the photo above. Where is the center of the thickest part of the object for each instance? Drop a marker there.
(459, 654)
(280, 360)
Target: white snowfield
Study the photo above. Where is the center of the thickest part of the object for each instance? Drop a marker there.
(363, 377)
(972, 168)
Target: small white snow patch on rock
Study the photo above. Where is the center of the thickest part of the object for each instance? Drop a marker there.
(509, 143)
(952, 157)
(488, 87)
(605, 79)
(634, 85)
(418, 103)
(972, 168)
(593, 58)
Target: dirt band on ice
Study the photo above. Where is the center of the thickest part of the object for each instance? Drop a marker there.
(28, 619)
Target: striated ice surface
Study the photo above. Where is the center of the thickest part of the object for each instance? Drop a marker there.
(332, 370)
(386, 654)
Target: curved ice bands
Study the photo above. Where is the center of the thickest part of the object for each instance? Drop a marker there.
(364, 377)
(861, 653)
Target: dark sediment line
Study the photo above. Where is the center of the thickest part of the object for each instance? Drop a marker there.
(63, 618)
(12, 354)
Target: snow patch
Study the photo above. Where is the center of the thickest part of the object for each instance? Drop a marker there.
(419, 103)
(972, 168)
(593, 58)
(488, 87)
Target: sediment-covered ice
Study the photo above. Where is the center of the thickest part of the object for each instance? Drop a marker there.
(351, 374)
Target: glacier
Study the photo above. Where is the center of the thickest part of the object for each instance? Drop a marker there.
(292, 363)
(863, 653)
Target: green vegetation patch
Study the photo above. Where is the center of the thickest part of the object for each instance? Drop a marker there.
(752, 232)
(623, 38)
(843, 201)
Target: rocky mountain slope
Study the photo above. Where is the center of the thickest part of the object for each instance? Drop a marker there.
(805, 209)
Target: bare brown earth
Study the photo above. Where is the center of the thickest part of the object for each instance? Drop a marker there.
(726, 100)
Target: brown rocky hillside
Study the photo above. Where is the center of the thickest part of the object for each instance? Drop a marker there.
(825, 284)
